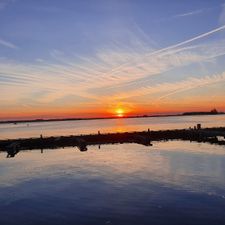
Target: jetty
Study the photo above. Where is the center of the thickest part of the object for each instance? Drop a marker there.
(209, 135)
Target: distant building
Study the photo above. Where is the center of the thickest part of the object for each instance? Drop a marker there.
(214, 111)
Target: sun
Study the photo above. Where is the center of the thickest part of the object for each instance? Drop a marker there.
(119, 112)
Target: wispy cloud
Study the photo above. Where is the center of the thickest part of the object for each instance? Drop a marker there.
(193, 83)
(191, 13)
(112, 73)
(7, 44)
(197, 11)
(167, 89)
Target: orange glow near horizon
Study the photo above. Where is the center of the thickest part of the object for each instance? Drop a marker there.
(118, 109)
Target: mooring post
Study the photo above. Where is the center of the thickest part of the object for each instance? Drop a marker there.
(149, 136)
(41, 143)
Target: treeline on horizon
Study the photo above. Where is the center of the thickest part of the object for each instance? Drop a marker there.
(212, 112)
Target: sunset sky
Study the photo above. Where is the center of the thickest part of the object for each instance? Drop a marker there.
(88, 58)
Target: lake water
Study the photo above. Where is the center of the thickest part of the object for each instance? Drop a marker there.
(170, 183)
(107, 125)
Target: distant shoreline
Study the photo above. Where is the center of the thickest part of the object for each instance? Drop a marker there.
(113, 117)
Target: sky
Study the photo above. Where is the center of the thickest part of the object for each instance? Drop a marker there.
(90, 58)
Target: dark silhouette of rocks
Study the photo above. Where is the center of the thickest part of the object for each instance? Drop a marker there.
(199, 134)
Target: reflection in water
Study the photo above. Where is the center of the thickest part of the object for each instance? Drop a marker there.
(12, 149)
(169, 183)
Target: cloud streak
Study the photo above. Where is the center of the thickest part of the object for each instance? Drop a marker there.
(197, 11)
(7, 44)
(172, 88)
(191, 13)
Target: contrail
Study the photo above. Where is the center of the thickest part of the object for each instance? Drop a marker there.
(7, 44)
(176, 45)
(190, 40)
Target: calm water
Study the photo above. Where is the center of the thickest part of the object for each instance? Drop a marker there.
(167, 183)
(112, 125)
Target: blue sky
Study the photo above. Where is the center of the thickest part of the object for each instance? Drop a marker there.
(89, 57)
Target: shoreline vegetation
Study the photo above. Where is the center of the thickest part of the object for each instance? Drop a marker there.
(212, 112)
(214, 135)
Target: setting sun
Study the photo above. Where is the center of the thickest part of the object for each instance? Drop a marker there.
(120, 112)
